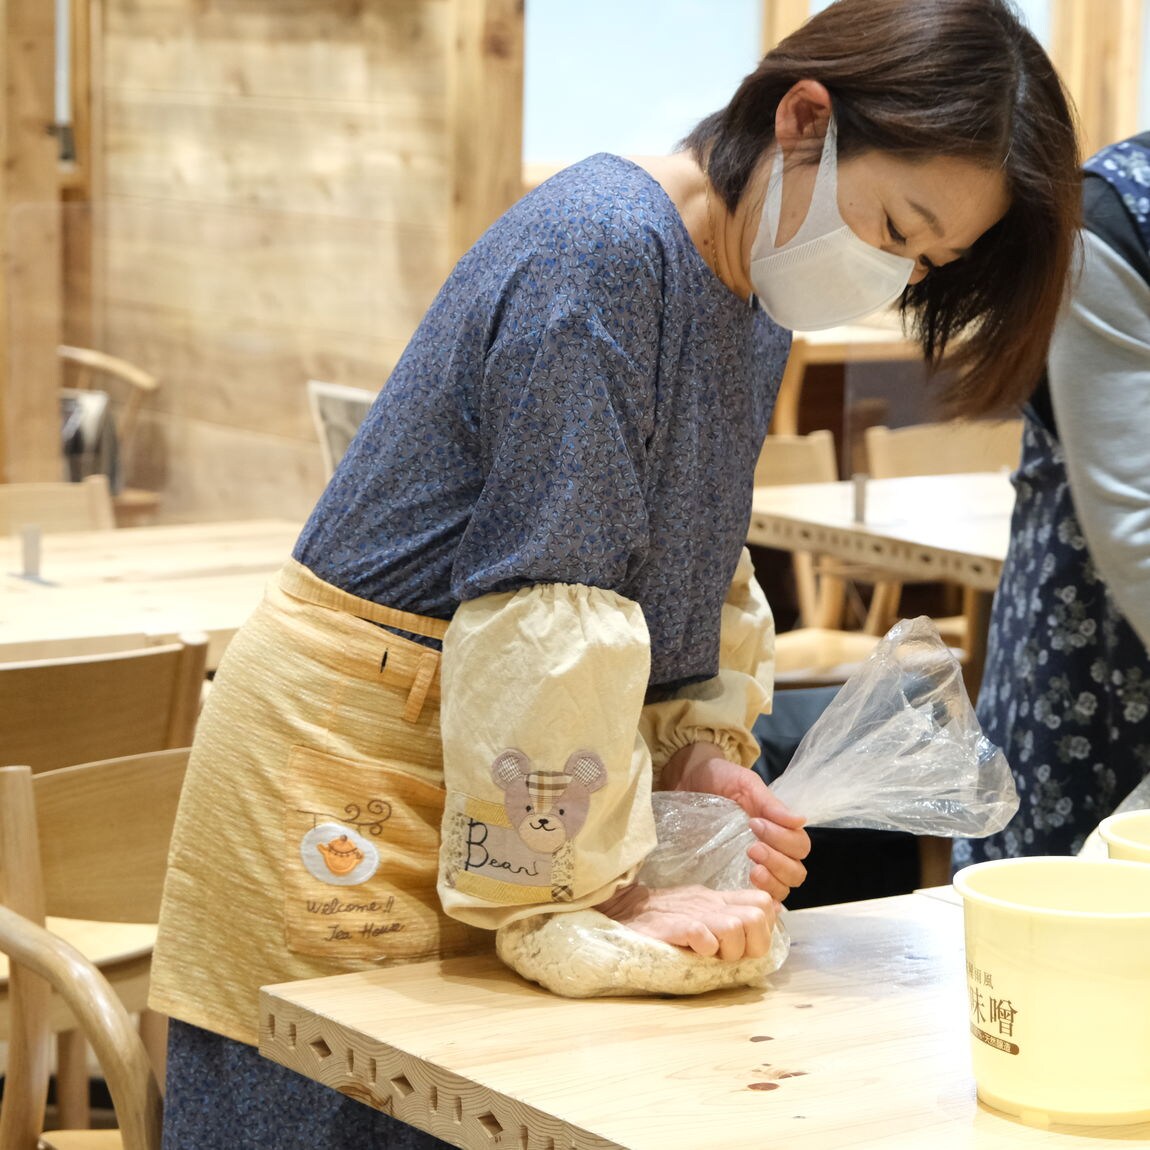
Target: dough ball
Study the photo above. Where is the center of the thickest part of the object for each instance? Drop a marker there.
(584, 954)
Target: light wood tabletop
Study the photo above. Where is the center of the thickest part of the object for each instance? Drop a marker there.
(155, 581)
(927, 527)
(860, 1040)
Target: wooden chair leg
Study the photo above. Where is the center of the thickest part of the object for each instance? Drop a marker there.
(73, 1107)
(884, 605)
(806, 587)
(831, 603)
(978, 607)
(934, 860)
(153, 1029)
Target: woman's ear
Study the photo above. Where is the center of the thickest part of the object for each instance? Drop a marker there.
(802, 114)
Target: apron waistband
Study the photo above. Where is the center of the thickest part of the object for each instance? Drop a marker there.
(297, 580)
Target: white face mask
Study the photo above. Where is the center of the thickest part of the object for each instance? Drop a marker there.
(824, 275)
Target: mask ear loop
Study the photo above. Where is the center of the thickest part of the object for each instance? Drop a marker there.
(773, 202)
(822, 215)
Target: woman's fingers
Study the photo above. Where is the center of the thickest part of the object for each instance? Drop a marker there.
(774, 871)
(794, 842)
(725, 924)
(770, 806)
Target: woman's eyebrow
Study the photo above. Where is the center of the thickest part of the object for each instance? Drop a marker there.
(932, 222)
(929, 216)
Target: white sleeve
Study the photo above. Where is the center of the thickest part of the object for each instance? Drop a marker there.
(548, 783)
(723, 710)
(1100, 389)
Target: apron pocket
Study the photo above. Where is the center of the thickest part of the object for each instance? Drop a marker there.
(361, 850)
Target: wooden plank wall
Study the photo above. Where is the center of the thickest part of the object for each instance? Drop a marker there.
(30, 312)
(1097, 49)
(279, 191)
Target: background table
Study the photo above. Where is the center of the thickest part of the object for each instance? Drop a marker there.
(158, 581)
(860, 1041)
(926, 527)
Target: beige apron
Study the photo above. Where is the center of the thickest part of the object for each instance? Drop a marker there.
(308, 833)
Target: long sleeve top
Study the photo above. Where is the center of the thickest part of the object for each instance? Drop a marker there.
(583, 403)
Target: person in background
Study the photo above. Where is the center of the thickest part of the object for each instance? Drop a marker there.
(1066, 691)
(523, 601)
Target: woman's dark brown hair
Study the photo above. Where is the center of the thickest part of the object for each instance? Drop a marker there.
(926, 78)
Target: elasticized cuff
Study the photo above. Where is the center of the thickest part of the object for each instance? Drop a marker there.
(721, 711)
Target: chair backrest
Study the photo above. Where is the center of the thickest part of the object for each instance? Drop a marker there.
(797, 459)
(943, 448)
(337, 410)
(91, 842)
(56, 712)
(53, 507)
(31, 650)
(138, 383)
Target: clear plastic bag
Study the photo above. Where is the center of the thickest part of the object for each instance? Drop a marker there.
(701, 840)
(899, 748)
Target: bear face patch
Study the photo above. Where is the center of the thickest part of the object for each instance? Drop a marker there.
(520, 851)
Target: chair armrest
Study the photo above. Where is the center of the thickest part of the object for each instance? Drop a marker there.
(103, 1019)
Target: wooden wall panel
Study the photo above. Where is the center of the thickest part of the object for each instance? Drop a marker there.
(30, 245)
(781, 18)
(485, 96)
(363, 161)
(277, 206)
(1097, 49)
(333, 275)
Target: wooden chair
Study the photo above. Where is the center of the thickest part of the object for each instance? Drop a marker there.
(83, 851)
(106, 1024)
(816, 653)
(132, 505)
(74, 709)
(54, 507)
(950, 448)
(31, 650)
(337, 410)
(57, 712)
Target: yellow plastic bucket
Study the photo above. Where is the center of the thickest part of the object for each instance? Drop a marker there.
(1127, 836)
(1058, 987)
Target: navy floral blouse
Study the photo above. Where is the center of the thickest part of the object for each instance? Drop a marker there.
(583, 403)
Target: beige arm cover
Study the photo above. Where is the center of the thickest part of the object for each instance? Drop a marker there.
(723, 710)
(548, 783)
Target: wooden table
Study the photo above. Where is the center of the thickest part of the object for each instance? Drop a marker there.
(859, 1041)
(155, 581)
(927, 527)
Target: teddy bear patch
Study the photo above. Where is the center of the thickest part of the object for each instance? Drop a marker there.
(525, 845)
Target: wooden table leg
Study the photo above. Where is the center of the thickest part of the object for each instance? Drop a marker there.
(978, 604)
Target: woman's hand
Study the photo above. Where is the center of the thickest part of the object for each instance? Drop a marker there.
(782, 843)
(728, 924)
